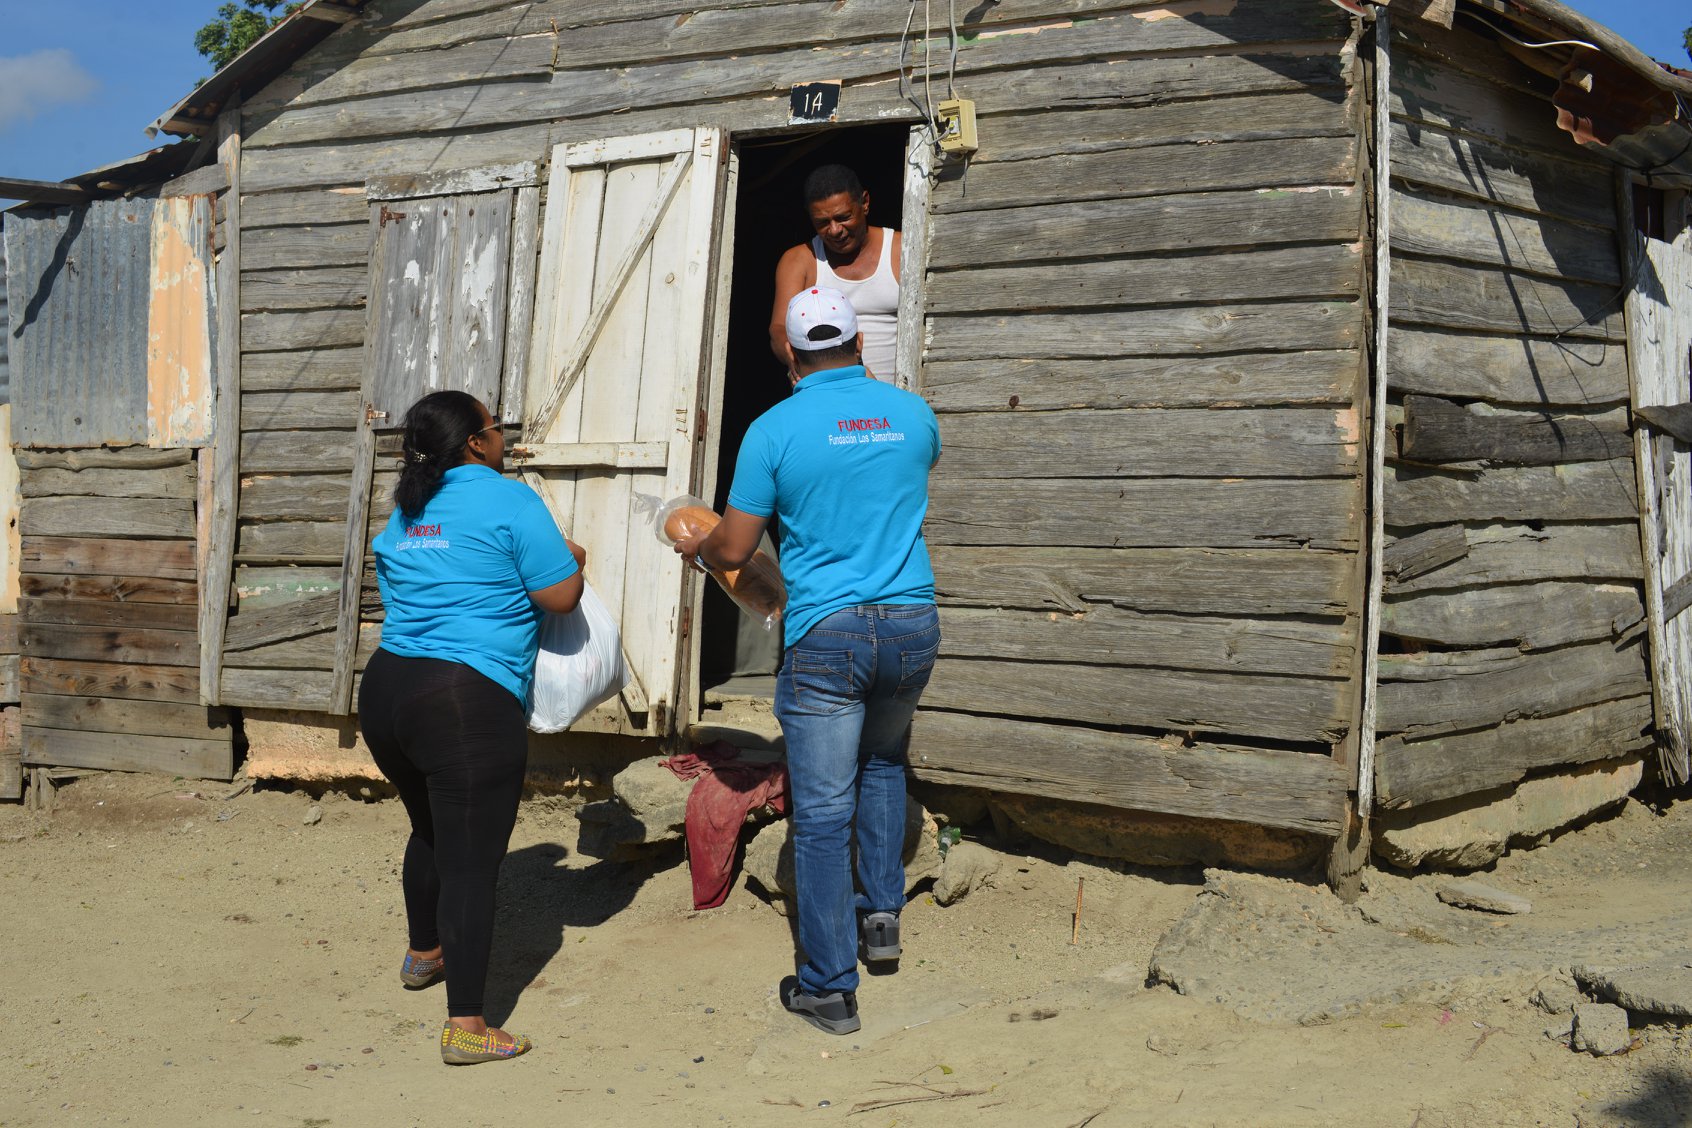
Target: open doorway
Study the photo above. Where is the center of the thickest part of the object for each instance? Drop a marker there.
(738, 657)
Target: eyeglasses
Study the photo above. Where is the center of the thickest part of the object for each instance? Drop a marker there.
(495, 427)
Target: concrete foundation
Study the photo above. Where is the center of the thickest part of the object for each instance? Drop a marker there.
(304, 747)
(1158, 840)
(1468, 833)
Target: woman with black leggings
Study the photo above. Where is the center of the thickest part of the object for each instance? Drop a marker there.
(468, 564)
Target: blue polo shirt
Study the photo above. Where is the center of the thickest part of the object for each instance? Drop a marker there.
(845, 461)
(456, 578)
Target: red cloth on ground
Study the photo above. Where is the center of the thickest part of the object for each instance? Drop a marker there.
(724, 792)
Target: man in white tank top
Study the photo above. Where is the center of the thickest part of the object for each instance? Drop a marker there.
(848, 255)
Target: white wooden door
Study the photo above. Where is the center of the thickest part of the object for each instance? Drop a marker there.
(615, 418)
(1659, 337)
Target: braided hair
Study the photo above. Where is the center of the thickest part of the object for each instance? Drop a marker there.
(436, 429)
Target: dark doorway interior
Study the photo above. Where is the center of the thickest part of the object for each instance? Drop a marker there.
(769, 218)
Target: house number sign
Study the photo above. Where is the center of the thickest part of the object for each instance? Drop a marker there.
(813, 102)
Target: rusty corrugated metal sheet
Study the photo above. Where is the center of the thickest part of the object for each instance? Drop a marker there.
(77, 282)
(1601, 101)
(179, 324)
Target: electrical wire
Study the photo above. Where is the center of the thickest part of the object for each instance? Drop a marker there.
(907, 86)
(952, 30)
(1536, 46)
(927, 64)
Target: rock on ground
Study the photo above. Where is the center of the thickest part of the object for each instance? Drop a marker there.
(655, 797)
(1663, 987)
(650, 807)
(1486, 898)
(1600, 1029)
(967, 867)
(1557, 995)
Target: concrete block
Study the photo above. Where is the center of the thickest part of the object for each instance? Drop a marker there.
(1600, 1029)
(1663, 987)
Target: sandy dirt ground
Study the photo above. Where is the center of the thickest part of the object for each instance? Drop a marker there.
(180, 958)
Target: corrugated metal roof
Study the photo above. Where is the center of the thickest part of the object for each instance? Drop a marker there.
(151, 167)
(267, 58)
(78, 284)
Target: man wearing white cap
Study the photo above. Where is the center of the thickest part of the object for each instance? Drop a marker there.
(845, 462)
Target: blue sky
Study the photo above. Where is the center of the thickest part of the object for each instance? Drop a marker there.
(81, 79)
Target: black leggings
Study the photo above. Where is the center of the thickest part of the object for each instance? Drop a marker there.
(455, 743)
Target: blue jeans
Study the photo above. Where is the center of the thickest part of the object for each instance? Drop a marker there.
(844, 697)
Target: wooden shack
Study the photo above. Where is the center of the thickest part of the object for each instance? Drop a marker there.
(1284, 353)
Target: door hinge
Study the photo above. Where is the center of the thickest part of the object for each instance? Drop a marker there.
(371, 415)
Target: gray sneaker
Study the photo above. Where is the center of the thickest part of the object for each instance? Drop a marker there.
(833, 1013)
(881, 937)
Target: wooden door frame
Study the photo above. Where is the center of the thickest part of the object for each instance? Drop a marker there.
(920, 168)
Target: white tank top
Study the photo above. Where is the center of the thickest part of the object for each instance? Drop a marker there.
(876, 300)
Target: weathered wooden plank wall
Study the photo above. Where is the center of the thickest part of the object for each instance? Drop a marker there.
(1511, 630)
(1143, 334)
(1144, 323)
(108, 617)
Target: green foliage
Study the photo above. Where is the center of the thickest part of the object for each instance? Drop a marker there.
(237, 26)
(1688, 42)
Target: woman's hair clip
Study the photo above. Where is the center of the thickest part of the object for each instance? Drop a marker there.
(419, 456)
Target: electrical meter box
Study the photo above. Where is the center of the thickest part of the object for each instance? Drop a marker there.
(957, 126)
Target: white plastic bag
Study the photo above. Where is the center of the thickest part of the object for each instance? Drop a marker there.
(580, 664)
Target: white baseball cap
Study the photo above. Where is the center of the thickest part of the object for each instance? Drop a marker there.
(820, 318)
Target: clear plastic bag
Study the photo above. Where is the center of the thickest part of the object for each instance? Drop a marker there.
(580, 664)
(757, 587)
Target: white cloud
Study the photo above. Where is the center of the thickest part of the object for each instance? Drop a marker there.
(38, 81)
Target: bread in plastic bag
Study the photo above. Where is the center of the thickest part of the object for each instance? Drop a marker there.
(580, 664)
(756, 587)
